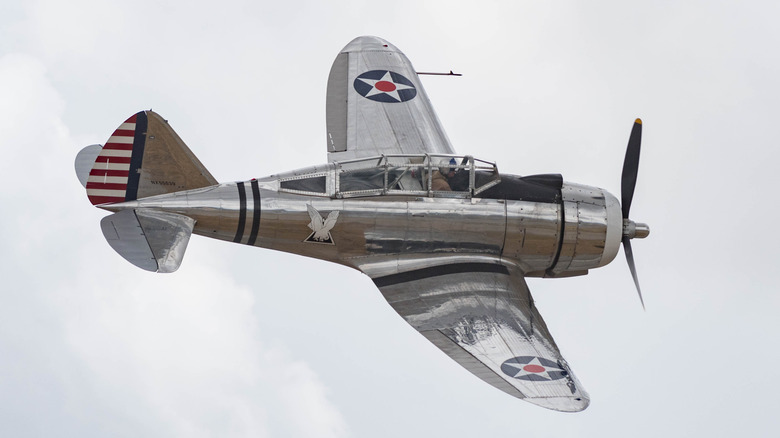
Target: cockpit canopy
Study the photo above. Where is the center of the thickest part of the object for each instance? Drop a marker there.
(454, 176)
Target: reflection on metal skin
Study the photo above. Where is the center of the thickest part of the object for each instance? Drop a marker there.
(591, 229)
(541, 239)
(167, 235)
(480, 310)
(453, 266)
(635, 230)
(532, 235)
(150, 239)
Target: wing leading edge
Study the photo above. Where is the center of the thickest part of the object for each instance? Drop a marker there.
(482, 315)
(377, 105)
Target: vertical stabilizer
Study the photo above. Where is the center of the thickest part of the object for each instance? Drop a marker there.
(143, 157)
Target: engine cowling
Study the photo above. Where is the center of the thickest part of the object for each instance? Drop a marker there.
(592, 230)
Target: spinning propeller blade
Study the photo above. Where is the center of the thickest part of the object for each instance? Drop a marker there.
(630, 167)
(627, 185)
(632, 267)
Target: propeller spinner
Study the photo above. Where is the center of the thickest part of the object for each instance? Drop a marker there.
(632, 229)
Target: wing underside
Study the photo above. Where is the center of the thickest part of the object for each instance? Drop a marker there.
(482, 315)
(377, 105)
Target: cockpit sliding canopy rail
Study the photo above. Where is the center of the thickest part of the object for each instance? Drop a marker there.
(431, 175)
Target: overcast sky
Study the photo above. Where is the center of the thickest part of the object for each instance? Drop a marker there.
(248, 342)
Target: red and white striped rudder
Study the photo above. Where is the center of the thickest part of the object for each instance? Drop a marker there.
(143, 157)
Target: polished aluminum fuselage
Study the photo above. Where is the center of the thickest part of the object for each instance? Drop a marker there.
(382, 234)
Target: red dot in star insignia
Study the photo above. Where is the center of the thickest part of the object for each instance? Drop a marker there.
(531, 368)
(385, 86)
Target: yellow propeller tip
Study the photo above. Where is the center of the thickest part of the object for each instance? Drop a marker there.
(639, 121)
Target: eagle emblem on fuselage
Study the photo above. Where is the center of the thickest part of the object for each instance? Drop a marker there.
(321, 227)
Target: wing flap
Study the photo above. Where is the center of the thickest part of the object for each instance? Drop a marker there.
(482, 315)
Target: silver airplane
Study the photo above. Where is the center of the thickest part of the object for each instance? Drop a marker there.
(446, 238)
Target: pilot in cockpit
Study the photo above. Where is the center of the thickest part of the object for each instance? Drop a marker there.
(448, 177)
(441, 176)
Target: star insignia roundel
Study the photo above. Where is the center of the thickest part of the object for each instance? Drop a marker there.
(535, 369)
(385, 86)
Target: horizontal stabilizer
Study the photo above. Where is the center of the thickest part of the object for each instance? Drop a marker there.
(85, 160)
(152, 240)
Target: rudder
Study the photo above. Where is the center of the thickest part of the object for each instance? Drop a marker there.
(143, 157)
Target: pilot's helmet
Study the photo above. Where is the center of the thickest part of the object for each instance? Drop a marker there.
(445, 167)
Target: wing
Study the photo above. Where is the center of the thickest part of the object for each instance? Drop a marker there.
(482, 315)
(376, 105)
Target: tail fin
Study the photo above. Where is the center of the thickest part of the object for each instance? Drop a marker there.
(143, 157)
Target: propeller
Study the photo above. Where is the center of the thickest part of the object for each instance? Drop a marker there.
(632, 229)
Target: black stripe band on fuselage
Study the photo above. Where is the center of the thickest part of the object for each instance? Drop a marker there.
(137, 157)
(436, 271)
(561, 231)
(255, 213)
(241, 213)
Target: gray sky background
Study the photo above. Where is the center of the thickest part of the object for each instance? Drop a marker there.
(249, 342)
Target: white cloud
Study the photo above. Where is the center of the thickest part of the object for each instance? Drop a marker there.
(305, 399)
(91, 345)
(185, 350)
(60, 30)
(89, 350)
